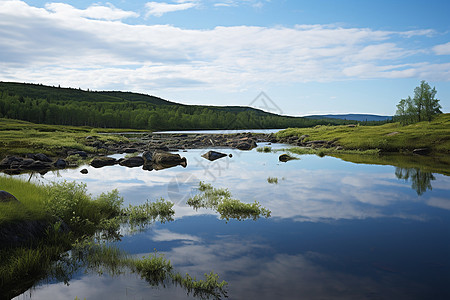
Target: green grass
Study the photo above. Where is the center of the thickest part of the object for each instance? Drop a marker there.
(391, 137)
(32, 199)
(228, 208)
(265, 149)
(20, 137)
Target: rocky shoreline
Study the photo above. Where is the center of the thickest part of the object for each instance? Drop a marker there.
(156, 149)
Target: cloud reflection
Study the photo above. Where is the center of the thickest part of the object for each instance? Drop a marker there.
(309, 189)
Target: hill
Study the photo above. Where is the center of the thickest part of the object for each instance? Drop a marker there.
(115, 109)
(353, 117)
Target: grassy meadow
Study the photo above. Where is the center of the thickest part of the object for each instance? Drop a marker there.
(391, 137)
(21, 137)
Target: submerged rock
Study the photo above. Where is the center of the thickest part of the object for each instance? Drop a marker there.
(285, 157)
(213, 155)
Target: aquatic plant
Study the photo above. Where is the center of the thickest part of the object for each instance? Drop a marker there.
(157, 270)
(220, 200)
(265, 149)
(149, 212)
(273, 180)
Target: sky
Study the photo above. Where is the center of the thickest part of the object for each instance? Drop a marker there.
(307, 57)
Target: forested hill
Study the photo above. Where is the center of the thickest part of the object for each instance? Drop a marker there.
(354, 117)
(114, 109)
(39, 91)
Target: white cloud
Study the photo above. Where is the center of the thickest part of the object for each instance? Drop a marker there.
(165, 235)
(93, 12)
(93, 48)
(157, 9)
(439, 202)
(443, 49)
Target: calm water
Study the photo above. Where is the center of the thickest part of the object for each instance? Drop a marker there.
(338, 230)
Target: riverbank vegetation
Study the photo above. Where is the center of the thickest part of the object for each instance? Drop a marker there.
(392, 137)
(71, 230)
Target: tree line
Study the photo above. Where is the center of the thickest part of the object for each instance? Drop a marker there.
(422, 107)
(57, 106)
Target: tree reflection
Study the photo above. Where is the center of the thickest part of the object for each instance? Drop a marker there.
(420, 180)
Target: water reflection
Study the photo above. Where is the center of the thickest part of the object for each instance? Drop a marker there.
(338, 230)
(420, 180)
(309, 189)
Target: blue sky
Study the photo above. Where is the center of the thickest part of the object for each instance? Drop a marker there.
(309, 57)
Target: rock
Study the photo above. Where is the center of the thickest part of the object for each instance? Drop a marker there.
(160, 157)
(97, 144)
(132, 162)
(285, 157)
(422, 151)
(18, 233)
(60, 163)
(163, 160)
(230, 155)
(339, 148)
(84, 171)
(26, 162)
(42, 157)
(392, 133)
(148, 167)
(7, 197)
(6, 162)
(103, 161)
(148, 157)
(130, 150)
(213, 155)
(38, 165)
(244, 146)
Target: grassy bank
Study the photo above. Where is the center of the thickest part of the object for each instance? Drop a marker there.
(72, 220)
(391, 137)
(20, 137)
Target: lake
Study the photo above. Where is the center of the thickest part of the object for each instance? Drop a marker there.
(338, 230)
